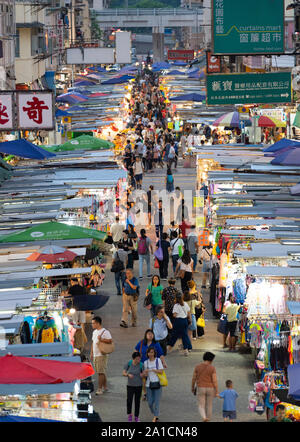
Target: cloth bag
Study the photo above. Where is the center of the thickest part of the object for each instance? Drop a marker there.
(159, 254)
(105, 348)
(201, 322)
(222, 326)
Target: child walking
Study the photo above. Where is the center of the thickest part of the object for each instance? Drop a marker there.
(229, 405)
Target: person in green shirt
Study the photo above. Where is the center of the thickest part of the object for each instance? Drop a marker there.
(280, 415)
(155, 289)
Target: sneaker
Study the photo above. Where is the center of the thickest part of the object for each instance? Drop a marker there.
(194, 339)
(123, 324)
(137, 419)
(98, 392)
(105, 390)
(186, 353)
(130, 418)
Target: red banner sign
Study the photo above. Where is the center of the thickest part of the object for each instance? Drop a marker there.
(180, 54)
(213, 63)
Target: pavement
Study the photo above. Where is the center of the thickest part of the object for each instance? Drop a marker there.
(178, 404)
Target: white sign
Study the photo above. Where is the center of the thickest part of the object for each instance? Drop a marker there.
(123, 47)
(6, 111)
(90, 56)
(278, 114)
(35, 110)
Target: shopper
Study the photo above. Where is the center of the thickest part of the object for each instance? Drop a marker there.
(184, 269)
(164, 263)
(130, 299)
(155, 290)
(205, 259)
(192, 303)
(161, 324)
(177, 246)
(133, 370)
(169, 181)
(144, 248)
(231, 312)
(182, 317)
(159, 221)
(147, 342)
(152, 367)
(280, 415)
(120, 257)
(138, 171)
(100, 334)
(199, 309)
(128, 247)
(116, 230)
(192, 245)
(205, 383)
(150, 203)
(169, 297)
(229, 405)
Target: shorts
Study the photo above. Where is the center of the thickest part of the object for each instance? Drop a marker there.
(206, 266)
(78, 317)
(229, 414)
(193, 325)
(138, 177)
(100, 364)
(232, 328)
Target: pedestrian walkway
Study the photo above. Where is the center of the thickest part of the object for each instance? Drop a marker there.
(178, 404)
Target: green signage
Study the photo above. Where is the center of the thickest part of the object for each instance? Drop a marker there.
(248, 26)
(274, 87)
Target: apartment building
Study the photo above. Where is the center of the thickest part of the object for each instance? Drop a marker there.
(7, 45)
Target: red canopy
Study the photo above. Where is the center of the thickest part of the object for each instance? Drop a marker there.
(20, 370)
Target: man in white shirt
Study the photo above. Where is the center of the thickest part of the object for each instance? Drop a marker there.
(116, 230)
(100, 334)
(175, 244)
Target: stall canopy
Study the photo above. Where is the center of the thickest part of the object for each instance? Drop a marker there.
(289, 158)
(61, 113)
(285, 142)
(231, 119)
(294, 380)
(84, 83)
(71, 98)
(21, 370)
(189, 97)
(118, 80)
(52, 231)
(83, 142)
(265, 121)
(161, 65)
(52, 255)
(176, 72)
(25, 149)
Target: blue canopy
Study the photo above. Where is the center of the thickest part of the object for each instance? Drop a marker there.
(13, 418)
(118, 80)
(25, 149)
(61, 113)
(179, 63)
(175, 72)
(192, 70)
(84, 83)
(189, 97)
(294, 307)
(285, 142)
(294, 380)
(197, 75)
(161, 65)
(76, 109)
(71, 97)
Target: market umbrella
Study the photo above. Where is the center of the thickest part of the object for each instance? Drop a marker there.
(231, 119)
(61, 113)
(288, 158)
(265, 121)
(21, 370)
(294, 380)
(84, 142)
(283, 143)
(87, 303)
(52, 255)
(25, 149)
(51, 231)
(91, 253)
(188, 97)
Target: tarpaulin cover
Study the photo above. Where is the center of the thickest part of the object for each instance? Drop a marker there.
(118, 80)
(25, 149)
(289, 158)
(21, 370)
(71, 97)
(188, 97)
(285, 142)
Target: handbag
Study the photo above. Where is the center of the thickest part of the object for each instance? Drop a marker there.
(181, 274)
(118, 265)
(156, 264)
(222, 326)
(154, 385)
(135, 255)
(201, 321)
(109, 239)
(148, 301)
(104, 348)
(159, 254)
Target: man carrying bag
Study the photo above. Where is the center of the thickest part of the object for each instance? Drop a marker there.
(130, 299)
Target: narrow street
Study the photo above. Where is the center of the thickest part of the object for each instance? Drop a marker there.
(239, 368)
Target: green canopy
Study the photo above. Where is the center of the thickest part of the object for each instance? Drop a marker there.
(52, 231)
(84, 142)
(297, 118)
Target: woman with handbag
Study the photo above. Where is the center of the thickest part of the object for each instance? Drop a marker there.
(152, 367)
(193, 304)
(182, 319)
(164, 262)
(184, 269)
(154, 290)
(205, 260)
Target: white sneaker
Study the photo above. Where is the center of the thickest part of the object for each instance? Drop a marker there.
(98, 392)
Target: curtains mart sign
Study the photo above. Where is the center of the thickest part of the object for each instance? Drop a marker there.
(247, 27)
(253, 88)
(26, 110)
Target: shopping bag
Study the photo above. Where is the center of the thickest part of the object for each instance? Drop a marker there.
(156, 264)
(201, 322)
(159, 254)
(163, 379)
(222, 326)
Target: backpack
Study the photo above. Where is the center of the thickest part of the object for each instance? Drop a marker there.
(118, 265)
(142, 246)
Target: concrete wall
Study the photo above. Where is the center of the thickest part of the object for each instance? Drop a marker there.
(26, 68)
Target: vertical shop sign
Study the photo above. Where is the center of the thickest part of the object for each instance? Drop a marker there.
(247, 27)
(35, 110)
(213, 63)
(6, 111)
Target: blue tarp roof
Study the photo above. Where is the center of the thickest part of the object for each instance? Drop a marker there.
(61, 113)
(188, 97)
(84, 83)
(118, 80)
(161, 65)
(25, 149)
(179, 63)
(285, 142)
(197, 75)
(71, 97)
(176, 72)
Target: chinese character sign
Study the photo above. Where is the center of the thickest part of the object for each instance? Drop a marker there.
(35, 110)
(248, 27)
(6, 112)
(274, 87)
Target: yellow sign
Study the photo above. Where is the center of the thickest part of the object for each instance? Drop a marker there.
(199, 201)
(66, 120)
(200, 221)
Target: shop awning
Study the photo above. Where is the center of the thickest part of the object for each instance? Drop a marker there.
(294, 308)
(25, 149)
(45, 273)
(285, 272)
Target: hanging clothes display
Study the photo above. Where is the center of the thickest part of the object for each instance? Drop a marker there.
(45, 329)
